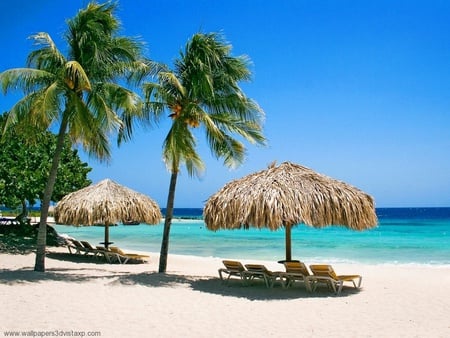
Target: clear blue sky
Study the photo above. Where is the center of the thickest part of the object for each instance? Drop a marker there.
(356, 90)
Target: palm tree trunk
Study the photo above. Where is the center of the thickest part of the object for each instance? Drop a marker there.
(42, 232)
(168, 222)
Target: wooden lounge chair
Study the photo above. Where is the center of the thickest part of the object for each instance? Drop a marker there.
(325, 274)
(232, 268)
(124, 257)
(258, 271)
(296, 271)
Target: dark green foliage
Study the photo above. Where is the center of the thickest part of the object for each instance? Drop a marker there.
(20, 237)
(25, 162)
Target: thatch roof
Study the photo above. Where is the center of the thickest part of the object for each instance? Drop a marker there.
(287, 195)
(106, 202)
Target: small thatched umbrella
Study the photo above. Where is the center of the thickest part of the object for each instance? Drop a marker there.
(106, 203)
(288, 195)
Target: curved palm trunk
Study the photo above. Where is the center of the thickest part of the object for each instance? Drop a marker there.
(168, 222)
(42, 232)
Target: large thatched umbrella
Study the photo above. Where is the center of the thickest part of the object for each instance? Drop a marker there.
(288, 195)
(106, 203)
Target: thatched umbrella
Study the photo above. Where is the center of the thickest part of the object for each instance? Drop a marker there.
(106, 203)
(288, 195)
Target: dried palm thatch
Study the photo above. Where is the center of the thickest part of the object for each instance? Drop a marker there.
(106, 203)
(287, 195)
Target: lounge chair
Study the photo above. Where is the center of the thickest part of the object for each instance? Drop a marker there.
(296, 271)
(97, 251)
(232, 268)
(258, 271)
(78, 248)
(123, 257)
(325, 274)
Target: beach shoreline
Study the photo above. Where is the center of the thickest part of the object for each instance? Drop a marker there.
(133, 300)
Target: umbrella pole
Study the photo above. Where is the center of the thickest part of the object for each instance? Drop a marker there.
(288, 242)
(106, 236)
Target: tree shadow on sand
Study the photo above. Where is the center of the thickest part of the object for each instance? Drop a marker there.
(254, 291)
(77, 258)
(28, 275)
(212, 285)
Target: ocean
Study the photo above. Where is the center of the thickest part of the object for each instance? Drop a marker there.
(403, 236)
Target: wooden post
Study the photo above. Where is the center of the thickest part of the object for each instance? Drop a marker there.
(288, 242)
(106, 236)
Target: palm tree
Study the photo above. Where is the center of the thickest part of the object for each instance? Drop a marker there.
(79, 94)
(203, 91)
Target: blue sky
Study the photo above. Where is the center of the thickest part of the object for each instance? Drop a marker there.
(356, 90)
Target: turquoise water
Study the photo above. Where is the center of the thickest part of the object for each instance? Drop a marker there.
(417, 237)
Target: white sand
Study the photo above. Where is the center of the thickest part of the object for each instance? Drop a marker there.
(190, 301)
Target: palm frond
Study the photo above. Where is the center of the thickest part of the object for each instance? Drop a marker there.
(27, 79)
(50, 102)
(47, 56)
(137, 71)
(101, 103)
(203, 89)
(128, 106)
(91, 128)
(36, 110)
(231, 150)
(76, 77)
(227, 123)
(94, 44)
(179, 148)
(172, 84)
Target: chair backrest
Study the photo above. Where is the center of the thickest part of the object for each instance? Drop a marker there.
(323, 270)
(77, 244)
(296, 267)
(233, 265)
(87, 245)
(257, 268)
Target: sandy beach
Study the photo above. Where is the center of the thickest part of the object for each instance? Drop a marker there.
(81, 297)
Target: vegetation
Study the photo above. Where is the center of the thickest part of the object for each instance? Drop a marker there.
(202, 91)
(81, 93)
(20, 237)
(24, 165)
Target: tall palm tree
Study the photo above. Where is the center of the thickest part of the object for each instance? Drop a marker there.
(80, 94)
(203, 91)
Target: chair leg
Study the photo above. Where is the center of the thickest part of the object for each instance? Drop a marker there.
(220, 275)
(228, 279)
(284, 282)
(245, 278)
(267, 280)
(273, 280)
(359, 282)
(308, 281)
